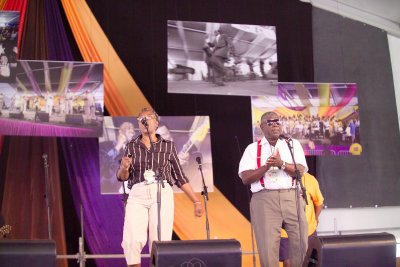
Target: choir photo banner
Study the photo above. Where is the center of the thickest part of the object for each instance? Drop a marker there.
(191, 135)
(53, 98)
(324, 117)
(221, 58)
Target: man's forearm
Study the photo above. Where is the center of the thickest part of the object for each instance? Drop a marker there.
(251, 176)
(318, 210)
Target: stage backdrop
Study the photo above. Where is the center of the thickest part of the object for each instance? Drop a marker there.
(191, 135)
(352, 52)
(139, 35)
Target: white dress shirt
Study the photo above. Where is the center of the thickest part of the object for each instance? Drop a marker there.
(274, 178)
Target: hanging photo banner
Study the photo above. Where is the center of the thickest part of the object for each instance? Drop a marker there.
(191, 135)
(324, 117)
(53, 98)
(221, 58)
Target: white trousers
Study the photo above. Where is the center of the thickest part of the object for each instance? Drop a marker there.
(141, 217)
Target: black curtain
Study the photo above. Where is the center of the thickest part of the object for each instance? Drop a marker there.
(350, 51)
(138, 32)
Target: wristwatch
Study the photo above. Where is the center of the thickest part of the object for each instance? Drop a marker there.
(283, 166)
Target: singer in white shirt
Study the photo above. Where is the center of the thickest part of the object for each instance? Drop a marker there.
(268, 167)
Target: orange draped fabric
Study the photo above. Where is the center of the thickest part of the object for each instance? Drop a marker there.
(122, 95)
(225, 222)
(2, 4)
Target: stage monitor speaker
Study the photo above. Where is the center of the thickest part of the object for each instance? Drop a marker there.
(16, 115)
(362, 250)
(32, 253)
(200, 253)
(74, 119)
(42, 116)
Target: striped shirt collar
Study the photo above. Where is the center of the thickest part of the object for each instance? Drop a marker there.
(137, 139)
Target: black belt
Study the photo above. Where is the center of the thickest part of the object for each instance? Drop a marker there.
(279, 190)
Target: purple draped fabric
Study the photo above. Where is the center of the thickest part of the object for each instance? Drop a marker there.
(102, 214)
(58, 47)
(30, 128)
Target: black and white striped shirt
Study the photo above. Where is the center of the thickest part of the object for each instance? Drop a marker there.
(164, 159)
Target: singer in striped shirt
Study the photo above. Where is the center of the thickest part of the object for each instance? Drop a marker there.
(147, 159)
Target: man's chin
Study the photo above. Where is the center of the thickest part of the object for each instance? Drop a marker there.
(276, 135)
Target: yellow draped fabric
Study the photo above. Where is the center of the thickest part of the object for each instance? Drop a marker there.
(324, 91)
(122, 95)
(64, 77)
(225, 222)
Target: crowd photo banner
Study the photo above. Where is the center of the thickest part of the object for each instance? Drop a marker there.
(53, 98)
(324, 117)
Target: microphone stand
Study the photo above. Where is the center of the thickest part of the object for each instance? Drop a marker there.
(204, 193)
(125, 195)
(160, 183)
(289, 143)
(46, 190)
(297, 176)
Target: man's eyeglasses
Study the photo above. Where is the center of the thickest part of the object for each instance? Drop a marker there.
(275, 122)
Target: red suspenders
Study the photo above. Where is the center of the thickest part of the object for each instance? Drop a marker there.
(259, 163)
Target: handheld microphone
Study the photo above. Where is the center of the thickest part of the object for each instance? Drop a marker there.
(198, 159)
(286, 138)
(144, 121)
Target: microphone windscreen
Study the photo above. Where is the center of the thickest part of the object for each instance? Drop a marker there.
(198, 159)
